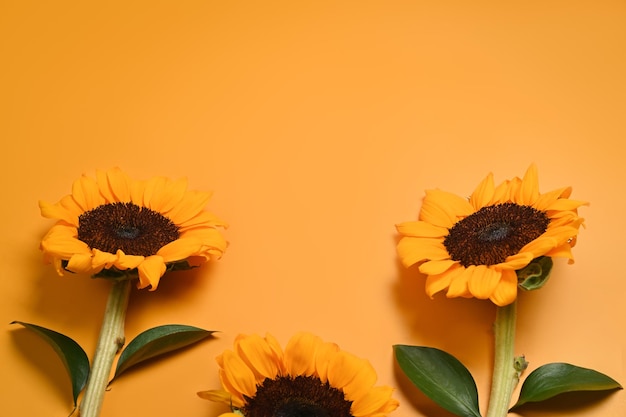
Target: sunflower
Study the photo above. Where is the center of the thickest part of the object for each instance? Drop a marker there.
(473, 247)
(309, 378)
(117, 227)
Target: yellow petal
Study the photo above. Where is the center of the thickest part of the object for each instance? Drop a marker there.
(114, 185)
(323, 355)
(203, 218)
(103, 259)
(562, 251)
(86, 193)
(377, 401)
(80, 263)
(191, 204)
(421, 229)
(209, 236)
(66, 210)
(299, 352)
(528, 192)
(168, 196)
(343, 368)
(362, 382)
(458, 281)
(517, 261)
(483, 281)
(152, 186)
(150, 272)
(180, 249)
(218, 396)
(541, 246)
(444, 209)
(550, 197)
(258, 356)
(483, 194)
(413, 250)
(277, 352)
(563, 204)
(506, 290)
(128, 261)
(238, 374)
(437, 267)
(439, 282)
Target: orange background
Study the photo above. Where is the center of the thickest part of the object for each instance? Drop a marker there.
(318, 125)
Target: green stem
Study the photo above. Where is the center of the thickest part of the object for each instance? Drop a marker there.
(505, 375)
(109, 343)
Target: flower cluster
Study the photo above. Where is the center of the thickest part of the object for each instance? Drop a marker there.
(310, 377)
(113, 225)
(473, 247)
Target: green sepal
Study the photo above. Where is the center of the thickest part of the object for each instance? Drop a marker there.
(74, 358)
(535, 275)
(157, 341)
(553, 379)
(441, 377)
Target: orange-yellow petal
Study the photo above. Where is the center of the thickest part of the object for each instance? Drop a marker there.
(238, 374)
(437, 267)
(459, 282)
(528, 192)
(413, 250)
(483, 194)
(483, 281)
(439, 282)
(506, 290)
(259, 357)
(298, 353)
(378, 400)
(150, 272)
(114, 185)
(444, 209)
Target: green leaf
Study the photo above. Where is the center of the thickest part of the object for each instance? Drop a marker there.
(71, 354)
(557, 378)
(441, 377)
(157, 341)
(535, 275)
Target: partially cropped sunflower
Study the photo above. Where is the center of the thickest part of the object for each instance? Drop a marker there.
(309, 378)
(115, 226)
(473, 247)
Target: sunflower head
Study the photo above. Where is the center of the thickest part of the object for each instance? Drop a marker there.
(308, 378)
(116, 227)
(475, 247)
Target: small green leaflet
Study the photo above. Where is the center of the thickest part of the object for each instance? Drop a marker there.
(441, 377)
(71, 354)
(157, 341)
(557, 378)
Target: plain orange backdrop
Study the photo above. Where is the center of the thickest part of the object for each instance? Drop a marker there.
(318, 125)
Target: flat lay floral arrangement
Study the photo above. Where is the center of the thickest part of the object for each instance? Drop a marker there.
(490, 246)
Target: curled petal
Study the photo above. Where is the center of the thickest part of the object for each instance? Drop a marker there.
(150, 272)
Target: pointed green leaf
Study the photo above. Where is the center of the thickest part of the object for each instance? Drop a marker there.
(157, 341)
(71, 354)
(557, 378)
(441, 377)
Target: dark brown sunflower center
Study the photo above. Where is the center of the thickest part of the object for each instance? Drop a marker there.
(133, 229)
(493, 233)
(300, 396)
